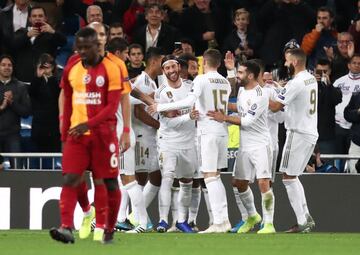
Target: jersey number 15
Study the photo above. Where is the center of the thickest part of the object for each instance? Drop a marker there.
(219, 100)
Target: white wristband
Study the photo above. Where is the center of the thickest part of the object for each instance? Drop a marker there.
(231, 73)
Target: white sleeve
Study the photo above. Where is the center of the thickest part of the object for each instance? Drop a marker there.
(187, 102)
(256, 109)
(175, 122)
(279, 116)
(289, 92)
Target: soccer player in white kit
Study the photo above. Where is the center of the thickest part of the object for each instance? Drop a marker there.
(210, 92)
(300, 98)
(254, 155)
(177, 152)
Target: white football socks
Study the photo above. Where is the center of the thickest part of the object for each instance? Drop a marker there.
(242, 209)
(137, 201)
(149, 193)
(247, 198)
(174, 204)
(184, 200)
(267, 204)
(217, 199)
(194, 206)
(295, 198)
(165, 198)
(208, 207)
(124, 205)
(303, 197)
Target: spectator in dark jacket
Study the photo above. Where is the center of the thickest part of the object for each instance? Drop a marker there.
(244, 39)
(328, 98)
(352, 114)
(14, 104)
(206, 24)
(280, 21)
(31, 43)
(156, 33)
(44, 93)
(11, 20)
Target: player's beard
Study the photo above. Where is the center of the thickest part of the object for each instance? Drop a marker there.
(291, 70)
(173, 76)
(244, 82)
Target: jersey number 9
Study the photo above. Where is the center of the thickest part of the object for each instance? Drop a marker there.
(313, 101)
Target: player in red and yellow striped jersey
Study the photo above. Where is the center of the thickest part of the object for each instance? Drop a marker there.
(92, 93)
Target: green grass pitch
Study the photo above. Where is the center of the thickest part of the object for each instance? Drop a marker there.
(24, 242)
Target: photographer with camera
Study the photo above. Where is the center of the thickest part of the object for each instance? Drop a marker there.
(328, 98)
(33, 41)
(44, 93)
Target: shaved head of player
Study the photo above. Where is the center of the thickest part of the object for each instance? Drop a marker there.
(87, 45)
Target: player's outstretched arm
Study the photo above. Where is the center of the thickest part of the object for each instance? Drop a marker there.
(143, 116)
(142, 96)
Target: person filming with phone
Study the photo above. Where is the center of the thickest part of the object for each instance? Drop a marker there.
(328, 98)
(33, 41)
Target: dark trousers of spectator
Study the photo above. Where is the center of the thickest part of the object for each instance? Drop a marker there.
(11, 143)
(342, 139)
(327, 147)
(45, 144)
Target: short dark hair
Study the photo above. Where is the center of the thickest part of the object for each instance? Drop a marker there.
(115, 24)
(326, 9)
(299, 54)
(86, 32)
(136, 46)
(8, 57)
(153, 52)
(252, 67)
(323, 62)
(36, 7)
(356, 55)
(154, 5)
(117, 43)
(188, 41)
(187, 57)
(213, 57)
(47, 58)
(167, 58)
(260, 63)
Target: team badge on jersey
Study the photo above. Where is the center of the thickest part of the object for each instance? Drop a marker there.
(100, 81)
(86, 79)
(112, 148)
(169, 94)
(253, 107)
(282, 93)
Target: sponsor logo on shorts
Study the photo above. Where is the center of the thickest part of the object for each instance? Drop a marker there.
(112, 148)
(100, 81)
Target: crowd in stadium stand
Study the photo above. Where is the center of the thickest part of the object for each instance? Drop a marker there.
(36, 39)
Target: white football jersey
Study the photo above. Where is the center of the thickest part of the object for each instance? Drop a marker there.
(348, 85)
(178, 132)
(253, 105)
(300, 96)
(210, 92)
(146, 85)
(274, 118)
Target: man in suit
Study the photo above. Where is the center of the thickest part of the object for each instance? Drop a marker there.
(156, 33)
(33, 41)
(11, 20)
